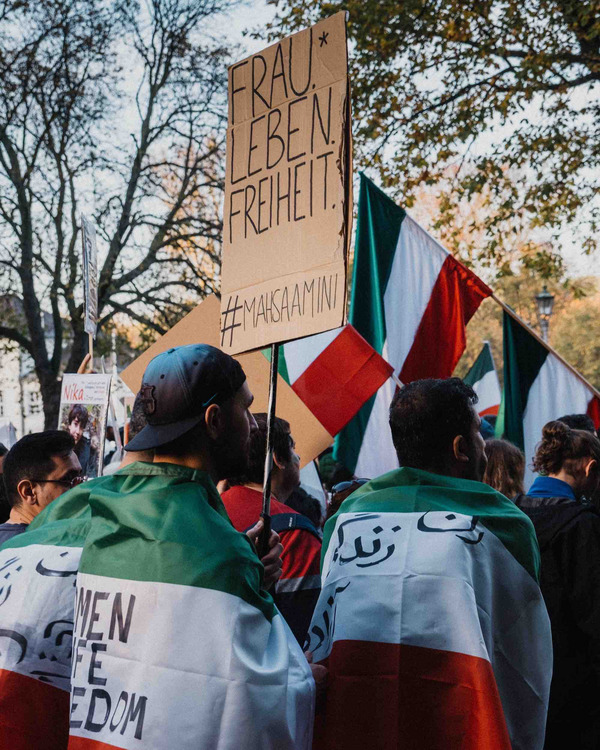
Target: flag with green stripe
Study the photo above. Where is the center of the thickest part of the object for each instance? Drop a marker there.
(175, 643)
(430, 620)
(483, 378)
(411, 301)
(538, 387)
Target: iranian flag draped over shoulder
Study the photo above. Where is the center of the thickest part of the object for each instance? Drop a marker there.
(175, 644)
(38, 570)
(431, 620)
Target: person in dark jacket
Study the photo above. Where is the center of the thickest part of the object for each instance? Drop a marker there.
(568, 532)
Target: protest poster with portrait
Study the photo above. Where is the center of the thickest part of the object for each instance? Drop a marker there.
(83, 414)
(288, 190)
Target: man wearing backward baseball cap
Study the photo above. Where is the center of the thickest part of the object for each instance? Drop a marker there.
(176, 643)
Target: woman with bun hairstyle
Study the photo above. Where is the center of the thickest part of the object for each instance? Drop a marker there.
(568, 532)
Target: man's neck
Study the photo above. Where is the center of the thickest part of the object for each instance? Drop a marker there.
(195, 461)
(20, 515)
(566, 478)
(259, 488)
(130, 457)
(456, 471)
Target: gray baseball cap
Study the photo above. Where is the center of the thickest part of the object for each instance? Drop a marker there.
(177, 387)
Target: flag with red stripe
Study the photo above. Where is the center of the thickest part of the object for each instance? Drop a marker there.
(430, 620)
(334, 373)
(411, 300)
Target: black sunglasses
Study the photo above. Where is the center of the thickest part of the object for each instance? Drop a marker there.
(70, 483)
(343, 486)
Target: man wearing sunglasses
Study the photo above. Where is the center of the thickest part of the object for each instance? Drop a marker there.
(37, 469)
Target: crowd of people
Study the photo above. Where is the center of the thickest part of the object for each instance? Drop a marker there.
(455, 557)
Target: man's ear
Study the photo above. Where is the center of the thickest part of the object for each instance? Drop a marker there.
(278, 462)
(26, 491)
(213, 419)
(458, 449)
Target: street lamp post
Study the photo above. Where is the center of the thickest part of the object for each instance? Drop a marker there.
(545, 302)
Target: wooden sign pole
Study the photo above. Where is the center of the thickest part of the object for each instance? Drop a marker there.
(263, 542)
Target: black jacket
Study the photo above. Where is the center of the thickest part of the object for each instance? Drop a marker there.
(568, 533)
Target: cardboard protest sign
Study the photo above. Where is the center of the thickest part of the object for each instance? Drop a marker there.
(288, 190)
(90, 276)
(83, 413)
(201, 326)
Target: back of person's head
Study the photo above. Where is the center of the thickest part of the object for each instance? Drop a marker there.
(426, 417)
(282, 448)
(31, 456)
(505, 470)
(578, 422)
(80, 413)
(137, 421)
(306, 504)
(564, 449)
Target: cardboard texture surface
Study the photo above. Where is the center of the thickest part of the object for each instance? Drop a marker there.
(288, 190)
(201, 325)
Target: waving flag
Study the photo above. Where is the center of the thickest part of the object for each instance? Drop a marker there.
(483, 378)
(538, 387)
(334, 373)
(175, 646)
(430, 620)
(411, 300)
(37, 595)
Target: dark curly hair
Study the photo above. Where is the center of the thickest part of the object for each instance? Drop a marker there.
(561, 447)
(282, 448)
(426, 416)
(579, 422)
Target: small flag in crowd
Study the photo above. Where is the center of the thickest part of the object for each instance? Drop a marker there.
(334, 373)
(411, 300)
(538, 387)
(483, 378)
(421, 620)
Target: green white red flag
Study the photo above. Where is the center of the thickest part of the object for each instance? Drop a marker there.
(411, 300)
(175, 645)
(538, 387)
(483, 378)
(430, 620)
(334, 373)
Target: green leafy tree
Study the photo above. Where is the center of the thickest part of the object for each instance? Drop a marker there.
(502, 92)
